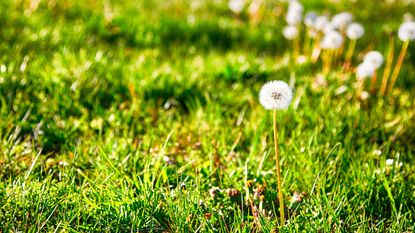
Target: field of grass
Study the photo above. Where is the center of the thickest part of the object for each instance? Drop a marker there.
(143, 116)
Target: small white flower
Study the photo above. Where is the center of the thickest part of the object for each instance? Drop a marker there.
(373, 58)
(293, 18)
(355, 31)
(364, 95)
(236, 6)
(332, 40)
(290, 32)
(275, 95)
(341, 20)
(389, 162)
(321, 22)
(364, 70)
(377, 152)
(310, 19)
(407, 31)
(301, 59)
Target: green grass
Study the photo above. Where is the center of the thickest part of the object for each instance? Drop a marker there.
(143, 116)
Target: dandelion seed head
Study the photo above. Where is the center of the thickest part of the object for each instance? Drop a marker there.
(406, 31)
(328, 27)
(310, 18)
(236, 6)
(321, 22)
(275, 95)
(341, 20)
(364, 70)
(355, 31)
(373, 58)
(293, 18)
(290, 32)
(295, 6)
(332, 40)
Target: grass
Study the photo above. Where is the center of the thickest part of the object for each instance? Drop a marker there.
(144, 116)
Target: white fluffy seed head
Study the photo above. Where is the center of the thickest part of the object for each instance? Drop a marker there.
(373, 58)
(332, 40)
(341, 20)
(293, 18)
(295, 6)
(406, 31)
(310, 19)
(290, 32)
(321, 22)
(275, 95)
(364, 70)
(355, 31)
(236, 6)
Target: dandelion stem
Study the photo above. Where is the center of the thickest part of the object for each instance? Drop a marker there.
(373, 83)
(350, 51)
(360, 88)
(277, 161)
(388, 67)
(328, 55)
(307, 40)
(398, 65)
(316, 49)
(296, 47)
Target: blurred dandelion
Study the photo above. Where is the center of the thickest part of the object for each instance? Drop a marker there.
(341, 20)
(406, 33)
(363, 71)
(354, 31)
(373, 59)
(294, 18)
(276, 95)
(309, 21)
(290, 32)
(236, 6)
(332, 40)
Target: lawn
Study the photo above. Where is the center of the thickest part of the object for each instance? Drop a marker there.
(144, 116)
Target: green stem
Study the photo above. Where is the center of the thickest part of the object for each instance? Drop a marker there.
(388, 67)
(277, 161)
(350, 51)
(398, 66)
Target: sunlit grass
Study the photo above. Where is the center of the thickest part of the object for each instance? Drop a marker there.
(144, 116)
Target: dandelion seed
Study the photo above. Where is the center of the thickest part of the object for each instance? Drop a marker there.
(332, 40)
(275, 95)
(373, 58)
(355, 31)
(406, 31)
(341, 20)
(290, 32)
